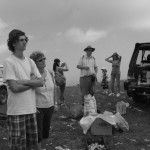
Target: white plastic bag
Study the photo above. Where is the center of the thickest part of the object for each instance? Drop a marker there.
(108, 117)
(90, 107)
(121, 122)
(86, 123)
(121, 107)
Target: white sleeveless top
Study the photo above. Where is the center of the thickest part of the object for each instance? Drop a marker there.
(45, 94)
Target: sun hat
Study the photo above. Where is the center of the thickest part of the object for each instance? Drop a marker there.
(89, 47)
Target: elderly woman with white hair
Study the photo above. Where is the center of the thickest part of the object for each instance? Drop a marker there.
(44, 99)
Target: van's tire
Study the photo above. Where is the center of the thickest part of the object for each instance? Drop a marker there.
(3, 96)
(136, 98)
(129, 93)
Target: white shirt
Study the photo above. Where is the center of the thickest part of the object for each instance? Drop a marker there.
(16, 69)
(45, 94)
(87, 61)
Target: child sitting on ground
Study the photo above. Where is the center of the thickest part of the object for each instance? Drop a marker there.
(104, 82)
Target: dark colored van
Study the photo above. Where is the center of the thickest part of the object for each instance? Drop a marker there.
(137, 84)
(3, 94)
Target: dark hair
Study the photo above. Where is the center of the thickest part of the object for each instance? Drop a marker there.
(56, 64)
(56, 60)
(36, 55)
(116, 57)
(13, 38)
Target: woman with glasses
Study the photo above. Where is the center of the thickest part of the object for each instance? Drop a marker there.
(44, 99)
(57, 68)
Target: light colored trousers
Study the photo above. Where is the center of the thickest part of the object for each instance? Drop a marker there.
(115, 76)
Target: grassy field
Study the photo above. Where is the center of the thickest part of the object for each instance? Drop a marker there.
(66, 132)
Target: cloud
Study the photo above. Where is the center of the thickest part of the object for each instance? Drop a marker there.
(30, 37)
(3, 25)
(3, 48)
(59, 34)
(140, 24)
(58, 50)
(79, 36)
(3, 45)
(45, 51)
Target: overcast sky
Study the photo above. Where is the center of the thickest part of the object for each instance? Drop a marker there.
(63, 28)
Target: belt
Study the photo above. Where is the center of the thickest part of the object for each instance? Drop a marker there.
(86, 76)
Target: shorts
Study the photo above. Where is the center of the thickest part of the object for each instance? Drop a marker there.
(115, 76)
(22, 131)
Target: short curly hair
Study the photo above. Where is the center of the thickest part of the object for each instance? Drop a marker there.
(36, 55)
(13, 38)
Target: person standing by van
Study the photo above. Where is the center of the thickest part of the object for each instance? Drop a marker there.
(115, 59)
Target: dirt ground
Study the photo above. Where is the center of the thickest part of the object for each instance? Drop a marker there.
(66, 132)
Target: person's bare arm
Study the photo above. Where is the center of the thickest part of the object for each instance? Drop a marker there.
(16, 87)
(119, 58)
(65, 68)
(108, 59)
(82, 67)
(35, 82)
(96, 69)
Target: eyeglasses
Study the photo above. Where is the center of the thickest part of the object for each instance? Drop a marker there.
(90, 50)
(41, 60)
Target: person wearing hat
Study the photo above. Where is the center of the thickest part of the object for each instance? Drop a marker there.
(21, 102)
(115, 59)
(57, 68)
(104, 82)
(88, 71)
